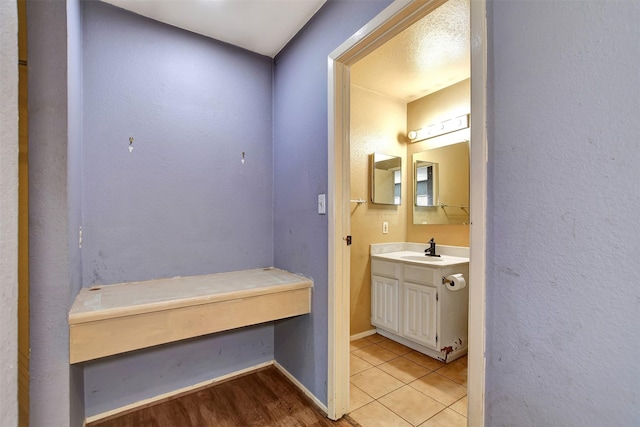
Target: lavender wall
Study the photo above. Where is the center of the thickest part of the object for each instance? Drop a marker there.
(117, 381)
(563, 301)
(561, 327)
(50, 268)
(8, 212)
(74, 185)
(55, 185)
(181, 203)
(300, 174)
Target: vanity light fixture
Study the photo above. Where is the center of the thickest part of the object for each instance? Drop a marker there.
(437, 129)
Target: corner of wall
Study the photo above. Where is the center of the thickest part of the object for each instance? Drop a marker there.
(8, 212)
(50, 268)
(74, 187)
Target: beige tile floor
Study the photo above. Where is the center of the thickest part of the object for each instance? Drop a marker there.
(393, 385)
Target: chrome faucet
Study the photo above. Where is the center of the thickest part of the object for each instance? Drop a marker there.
(431, 250)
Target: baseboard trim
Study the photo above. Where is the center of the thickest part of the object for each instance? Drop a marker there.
(175, 393)
(302, 388)
(363, 334)
(439, 355)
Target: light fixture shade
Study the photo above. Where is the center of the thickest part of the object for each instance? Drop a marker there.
(437, 129)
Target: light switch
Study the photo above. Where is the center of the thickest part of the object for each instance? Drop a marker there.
(322, 204)
(385, 227)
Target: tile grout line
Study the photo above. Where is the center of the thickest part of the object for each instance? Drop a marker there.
(394, 412)
(430, 371)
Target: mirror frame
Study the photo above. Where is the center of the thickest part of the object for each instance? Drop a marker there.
(375, 181)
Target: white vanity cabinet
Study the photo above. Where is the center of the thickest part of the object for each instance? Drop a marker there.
(419, 323)
(411, 305)
(384, 301)
(385, 294)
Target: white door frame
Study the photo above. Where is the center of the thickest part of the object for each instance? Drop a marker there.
(391, 21)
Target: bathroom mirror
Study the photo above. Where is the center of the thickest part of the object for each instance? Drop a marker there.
(386, 179)
(441, 185)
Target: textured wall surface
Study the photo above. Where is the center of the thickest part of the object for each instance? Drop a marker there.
(74, 149)
(114, 382)
(300, 174)
(48, 214)
(563, 301)
(562, 305)
(8, 212)
(378, 124)
(182, 202)
(74, 185)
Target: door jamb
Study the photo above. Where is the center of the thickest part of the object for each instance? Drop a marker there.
(395, 18)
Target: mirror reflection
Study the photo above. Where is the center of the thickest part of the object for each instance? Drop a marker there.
(426, 174)
(441, 185)
(386, 179)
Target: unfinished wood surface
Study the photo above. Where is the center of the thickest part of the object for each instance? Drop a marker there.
(118, 318)
(262, 398)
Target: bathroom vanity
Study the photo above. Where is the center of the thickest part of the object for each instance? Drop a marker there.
(414, 301)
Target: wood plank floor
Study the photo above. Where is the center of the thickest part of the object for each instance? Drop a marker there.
(262, 398)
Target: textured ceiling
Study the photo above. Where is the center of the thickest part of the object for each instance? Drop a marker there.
(428, 56)
(261, 26)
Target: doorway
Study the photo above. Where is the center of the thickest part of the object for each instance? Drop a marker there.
(389, 23)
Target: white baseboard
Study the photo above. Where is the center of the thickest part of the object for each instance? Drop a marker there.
(363, 334)
(302, 388)
(179, 391)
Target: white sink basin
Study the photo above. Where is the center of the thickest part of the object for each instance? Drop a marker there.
(420, 258)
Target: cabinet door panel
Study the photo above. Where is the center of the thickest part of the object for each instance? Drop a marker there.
(420, 314)
(384, 303)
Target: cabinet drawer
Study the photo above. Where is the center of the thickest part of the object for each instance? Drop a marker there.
(384, 268)
(422, 275)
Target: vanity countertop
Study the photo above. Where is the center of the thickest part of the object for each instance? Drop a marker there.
(419, 258)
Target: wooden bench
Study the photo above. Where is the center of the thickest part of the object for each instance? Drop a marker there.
(113, 319)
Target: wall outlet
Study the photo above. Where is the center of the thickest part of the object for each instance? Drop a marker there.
(385, 227)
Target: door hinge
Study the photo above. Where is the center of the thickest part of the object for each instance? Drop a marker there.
(436, 337)
(80, 237)
(437, 296)
(348, 239)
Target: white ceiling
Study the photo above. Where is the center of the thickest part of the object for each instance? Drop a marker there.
(261, 26)
(428, 56)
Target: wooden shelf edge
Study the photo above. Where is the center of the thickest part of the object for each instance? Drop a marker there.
(117, 331)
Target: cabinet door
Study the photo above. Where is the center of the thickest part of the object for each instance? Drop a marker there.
(420, 314)
(384, 303)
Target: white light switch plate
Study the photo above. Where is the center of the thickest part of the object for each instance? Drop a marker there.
(322, 204)
(385, 227)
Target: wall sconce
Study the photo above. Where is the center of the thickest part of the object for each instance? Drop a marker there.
(438, 129)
